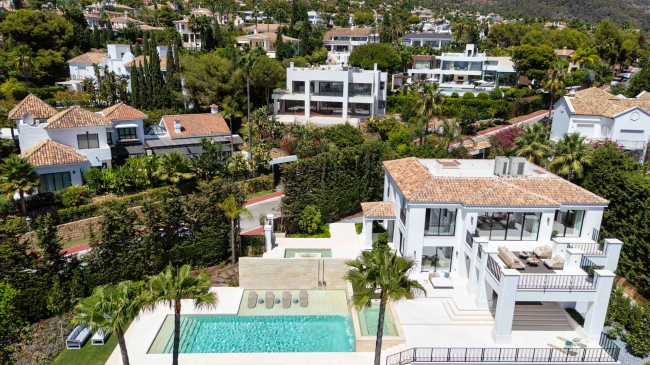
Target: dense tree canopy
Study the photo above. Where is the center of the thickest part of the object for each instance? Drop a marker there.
(383, 55)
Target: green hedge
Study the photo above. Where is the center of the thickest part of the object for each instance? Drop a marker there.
(484, 107)
(256, 244)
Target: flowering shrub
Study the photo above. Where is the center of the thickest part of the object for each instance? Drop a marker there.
(504, 140)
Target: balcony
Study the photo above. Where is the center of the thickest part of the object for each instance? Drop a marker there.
(446, 230)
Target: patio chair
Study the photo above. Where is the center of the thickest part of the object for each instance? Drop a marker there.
(77, 337)
(286, 300)
(304, 298)
(556, 263)
(564, 351)
(99, 338)
(269, 298)
(252, 299)
(543, 252)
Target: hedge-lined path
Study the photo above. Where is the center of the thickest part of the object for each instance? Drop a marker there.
(252, 204)
(519, 121)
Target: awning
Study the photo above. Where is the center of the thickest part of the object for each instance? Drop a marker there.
(127, 150)
(126, 125)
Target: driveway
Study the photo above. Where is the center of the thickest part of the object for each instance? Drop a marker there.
(265, 207)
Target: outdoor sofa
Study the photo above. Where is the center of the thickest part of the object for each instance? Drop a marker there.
(510, 259)
(77, 337)
(556, 263)
(543, 252)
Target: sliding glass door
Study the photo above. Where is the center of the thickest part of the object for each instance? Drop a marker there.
(437, 258)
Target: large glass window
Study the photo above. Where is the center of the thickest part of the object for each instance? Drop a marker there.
(437, 258)
(402, 210)
(87, 141)
(504, 226)
(298, 87)
(54, 182)
(109, 137)
(126, 133)
(329, 88)
(360, 89)
(440, 222)
(569, 223)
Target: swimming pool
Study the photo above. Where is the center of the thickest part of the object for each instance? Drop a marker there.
(369, 319)
(254, 334)
(291, 252)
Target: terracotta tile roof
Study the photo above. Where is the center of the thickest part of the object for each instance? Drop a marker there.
(77, 117)
(564, 52)
(48, 153)
(34, 106)
(90, 57)
(122, 111)
(138, 61)
(125, 20)
(271, 36)
(264, 27)
(378, 209)
(148, 27)
(196, 125)
(346, 32)
(419, 185)
(594, 101)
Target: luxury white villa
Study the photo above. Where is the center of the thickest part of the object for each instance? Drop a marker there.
(434, 40)
(459, 71)
(600, 116)
(331, 94)
(340, 42)
(502, 248)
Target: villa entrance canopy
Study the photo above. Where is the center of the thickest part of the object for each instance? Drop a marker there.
(378, 210)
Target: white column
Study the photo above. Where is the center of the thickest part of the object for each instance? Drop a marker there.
(502, 330)
(475, 265)
(367, 233)
(481, 296)
(346, 85)
(269, 235)
(613, 249)
(573, 257)
(559, 247)
(595, 318)
(276, 106)
(307, 99)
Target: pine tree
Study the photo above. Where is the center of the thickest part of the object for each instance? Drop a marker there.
(218, 37)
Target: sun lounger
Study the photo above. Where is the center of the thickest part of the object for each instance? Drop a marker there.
(304, 298)
(269, 298)
(252, 299)
(77, 337)
(286, 300)
(564, 351)
(99, 338)
(439, 281)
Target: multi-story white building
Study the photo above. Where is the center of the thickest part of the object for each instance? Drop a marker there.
(340, 42)
(331, 94)
(602, 117)
(191, 40)
(510, 231)
(434, 40)
(462, 70)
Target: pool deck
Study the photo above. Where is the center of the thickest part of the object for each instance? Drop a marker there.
(344, 243)
(144, 329)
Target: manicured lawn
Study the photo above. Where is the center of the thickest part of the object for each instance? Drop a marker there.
(323, 232)
(260, 193)
(89, 354)
(76, 242)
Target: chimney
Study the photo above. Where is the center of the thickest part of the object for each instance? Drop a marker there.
(375, 67)
(214, 109)
(177, 126)
(291, 65)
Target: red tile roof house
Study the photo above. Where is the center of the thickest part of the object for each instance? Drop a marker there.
(183, 133)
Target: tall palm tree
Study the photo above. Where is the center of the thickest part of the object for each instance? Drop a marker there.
(571, 156)
(111, 308)
(381, 271)
(17, 176)
(448, 133)
(555, 81)
(198, 25)
(429, 104)
(175, 284)
(246, 63)
(534, 143)
(234, 210)
(173, 167)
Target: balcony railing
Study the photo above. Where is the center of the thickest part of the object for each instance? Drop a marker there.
(590, 248)
(553, 282)
(328, 93)
(439, 230)
(506, 355)
(469, 239)
(479, 254)
(494, 268)
(587, 265)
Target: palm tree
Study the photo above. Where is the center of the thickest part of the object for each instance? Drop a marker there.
(111, 308)
(571, 156)
(246, 63)
(198, 24)
(555, 81)
(586, 58)
(381, 273)
(175, 284)
(534, 143)
(429, 104)
(234, 210)
(174, 167)
(17, 176)
(448, 133)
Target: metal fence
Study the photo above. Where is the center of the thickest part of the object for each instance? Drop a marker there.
(590, 248)
(556, 282)
(469, 239)
(586, 265)
(494, 268)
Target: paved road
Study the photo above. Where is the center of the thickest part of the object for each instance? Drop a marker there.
(265, 207)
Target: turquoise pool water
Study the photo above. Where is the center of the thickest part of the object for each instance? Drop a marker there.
(291, 252)
(369, 319)
(246, 334)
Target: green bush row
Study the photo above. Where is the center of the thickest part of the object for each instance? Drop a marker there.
(486, 108)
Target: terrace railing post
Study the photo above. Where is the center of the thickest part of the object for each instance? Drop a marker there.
(449, 354)
(516, 354)
(550, 355)
(465, 354)
(584, 354)
(483, 354)
(400, 358)
(545, 280)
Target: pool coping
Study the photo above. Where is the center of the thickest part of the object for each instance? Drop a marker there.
(367, 343)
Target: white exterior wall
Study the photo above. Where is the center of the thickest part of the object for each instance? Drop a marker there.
(76, 171)
(139, 129)
(29, 136)
(635, 119)
(81, 71)
(96, 156)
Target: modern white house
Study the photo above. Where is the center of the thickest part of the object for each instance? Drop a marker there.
(602, 117)
(267, 41)
(331, 94)
(434, 40)
(510, 233)
(340, 42)
(462, 70)
(191, 39)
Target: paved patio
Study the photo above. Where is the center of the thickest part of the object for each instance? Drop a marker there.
(344, 242)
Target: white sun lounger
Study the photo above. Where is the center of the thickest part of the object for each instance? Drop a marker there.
(286, 299)
(99, 338)
(77, 337)
(269, 298)
(252, 299)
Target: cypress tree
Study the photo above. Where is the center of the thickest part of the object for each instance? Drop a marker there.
(158, 83)
(207, 43)
(145, 43)
(149, 84)
(94, 37)
(142, 89)
(218, 37)
(279, 46)
(135, 82)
